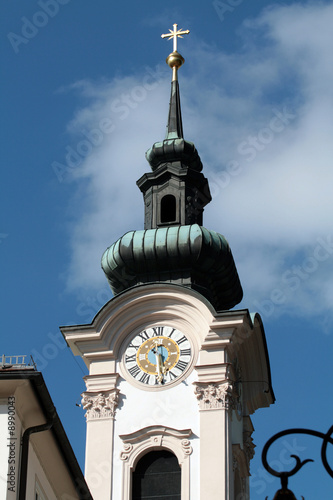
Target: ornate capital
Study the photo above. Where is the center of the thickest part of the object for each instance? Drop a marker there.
(215, 395)
(100, 405)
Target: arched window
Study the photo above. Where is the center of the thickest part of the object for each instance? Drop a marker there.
(157, 476)
(168, 208)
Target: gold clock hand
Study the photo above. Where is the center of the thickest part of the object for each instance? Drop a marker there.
(159, 364)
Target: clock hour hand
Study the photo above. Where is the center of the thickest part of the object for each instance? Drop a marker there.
(159, 365)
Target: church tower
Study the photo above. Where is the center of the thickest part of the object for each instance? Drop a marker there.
(174, 373)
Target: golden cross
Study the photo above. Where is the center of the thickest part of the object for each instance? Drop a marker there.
(174, 34)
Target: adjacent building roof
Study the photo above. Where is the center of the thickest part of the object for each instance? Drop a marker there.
(12, 375)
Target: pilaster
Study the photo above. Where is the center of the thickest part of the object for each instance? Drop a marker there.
(216, 399)
(100, 402)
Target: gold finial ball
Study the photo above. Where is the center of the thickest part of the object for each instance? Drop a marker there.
(175, 60)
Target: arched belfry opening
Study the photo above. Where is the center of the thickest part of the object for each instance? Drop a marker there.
(157, 476)
(168, 209)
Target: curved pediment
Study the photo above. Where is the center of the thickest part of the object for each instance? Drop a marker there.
(136, 309)
(228, 345)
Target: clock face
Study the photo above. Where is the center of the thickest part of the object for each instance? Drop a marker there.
(158, 355)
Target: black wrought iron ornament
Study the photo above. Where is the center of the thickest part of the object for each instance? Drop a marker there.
(284, 493)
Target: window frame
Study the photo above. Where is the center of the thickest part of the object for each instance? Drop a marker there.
(152, 438)
(39, 492)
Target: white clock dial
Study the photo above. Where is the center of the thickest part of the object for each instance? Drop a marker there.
(158, 355)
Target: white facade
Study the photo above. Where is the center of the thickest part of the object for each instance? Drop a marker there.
(52, 472)
(202, 416)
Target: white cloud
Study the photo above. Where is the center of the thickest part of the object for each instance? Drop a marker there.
(271, 178)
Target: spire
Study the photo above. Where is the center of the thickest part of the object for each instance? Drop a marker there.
(174, 149)
(175, 61)
(175, 125)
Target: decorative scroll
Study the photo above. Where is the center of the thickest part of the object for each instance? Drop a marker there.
(186, 446)
(126, 451)
(212, 396)
(101, 405)
(284, 475)
(157, 436)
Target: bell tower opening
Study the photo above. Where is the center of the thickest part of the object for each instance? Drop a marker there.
(157, 476)
(168, 209)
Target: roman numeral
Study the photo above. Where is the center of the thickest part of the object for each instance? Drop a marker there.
(181, 340)
(130, 358)
(145, 378)
(172, 375)
(171, 332)
(134, 370)
(144, 336)
(158, 330)
(185, 352)
(136, 347)
(181, 365)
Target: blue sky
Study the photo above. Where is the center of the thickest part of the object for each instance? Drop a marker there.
(85, 93)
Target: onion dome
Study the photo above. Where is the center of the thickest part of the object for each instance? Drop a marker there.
(174, 247)
(172, 150)
(191, 256)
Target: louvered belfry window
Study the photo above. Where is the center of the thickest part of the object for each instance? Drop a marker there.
(157, 476)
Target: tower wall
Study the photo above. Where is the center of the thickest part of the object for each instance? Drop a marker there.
(202, 416)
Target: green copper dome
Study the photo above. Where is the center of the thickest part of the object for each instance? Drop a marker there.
(172, 150)
(189, 255)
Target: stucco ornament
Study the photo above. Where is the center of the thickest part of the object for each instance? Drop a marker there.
(186, 446)
(126, 451)
(217, 395)
(248, 446)
(101, 405)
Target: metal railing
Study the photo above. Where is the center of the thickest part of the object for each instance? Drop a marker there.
(17, 361)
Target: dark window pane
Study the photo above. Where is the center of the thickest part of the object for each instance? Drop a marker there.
(157, 477)
(168, 208)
